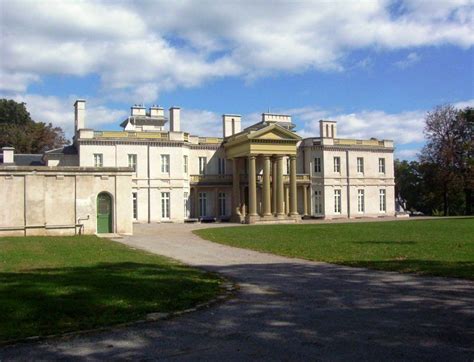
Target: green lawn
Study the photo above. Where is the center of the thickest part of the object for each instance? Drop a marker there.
(50, 285)
(442, 247)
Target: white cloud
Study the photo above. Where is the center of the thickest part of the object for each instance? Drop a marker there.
(142, 48)
(407, 154)
(411, 59)
(464, 104)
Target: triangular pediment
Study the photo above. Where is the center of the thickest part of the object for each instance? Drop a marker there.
(274, 132)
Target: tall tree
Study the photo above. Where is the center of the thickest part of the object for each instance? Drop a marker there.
(18, 130)
(448, 146)
(466, 156)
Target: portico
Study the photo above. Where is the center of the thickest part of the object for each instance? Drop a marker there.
(258, 160)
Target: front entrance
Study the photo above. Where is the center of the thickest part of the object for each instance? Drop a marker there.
(104, 213)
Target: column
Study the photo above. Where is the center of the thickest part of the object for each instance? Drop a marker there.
(279, 190)
(274, 186)
(196, 203)
(287, 200)
(235, 188)
(305, 200)
(252, 187)
(216, 202)
(293, 194)
(267, 211)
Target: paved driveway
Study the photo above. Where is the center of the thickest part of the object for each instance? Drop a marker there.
(287, 309)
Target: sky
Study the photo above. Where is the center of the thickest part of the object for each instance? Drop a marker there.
(375, 67)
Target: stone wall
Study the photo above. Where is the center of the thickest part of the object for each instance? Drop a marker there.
(40, 200)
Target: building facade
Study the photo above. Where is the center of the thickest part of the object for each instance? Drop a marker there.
(263, 173)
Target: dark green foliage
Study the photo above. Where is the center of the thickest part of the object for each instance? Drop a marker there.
(50, 285)
(442, 247)
(18, 130)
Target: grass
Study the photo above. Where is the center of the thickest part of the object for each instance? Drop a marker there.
(50, 285)
(443, 247)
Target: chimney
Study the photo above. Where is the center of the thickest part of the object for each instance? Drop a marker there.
(327, 129)
(175, 119)
(231, 124)
(8, 155)
(156, 111)
(137, 110)
(79, 114)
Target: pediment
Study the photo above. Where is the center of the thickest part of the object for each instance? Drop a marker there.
(274, 132)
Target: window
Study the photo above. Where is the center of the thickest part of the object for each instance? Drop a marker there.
(222, 204)
(221, 167)
(381, 165)
(135, 205)
(337, 164)
(318, 205)
(165, 205)
(360, 165)
(186, 205)
(185, 163)
(360, 201)
(337, 201)
(132, 162)
(165, 163)
(317, 164)
(98, 160)
(202, 165)
(382, 201)
(202, 204)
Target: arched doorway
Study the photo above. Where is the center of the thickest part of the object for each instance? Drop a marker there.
(104, 213)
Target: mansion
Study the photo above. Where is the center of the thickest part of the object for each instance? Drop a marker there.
(265, 173)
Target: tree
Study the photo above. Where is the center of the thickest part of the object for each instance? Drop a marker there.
(449, 150)
(18, 130)
(466, 156)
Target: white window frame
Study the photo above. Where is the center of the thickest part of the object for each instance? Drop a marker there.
(337, 164)
(382, 200)
(360, 165)
(221, 166)
(132, 161)
(222, 201)
(337, 201)
(135, 205)
(202, 165)
(361, 201)
(317, 164)
(186, 205)
(185, 164)
(165, 205)
(165, 164)
(382, 165)
(318, 204)
(202, 204)
(98, 160)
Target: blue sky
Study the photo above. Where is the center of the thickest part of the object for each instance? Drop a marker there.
(376, 67)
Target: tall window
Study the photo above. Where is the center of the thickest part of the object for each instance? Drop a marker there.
(186, 205)
(360, 165)
(185, 163)
(165, 163)
(337, 201)
(317, 165)
(222, 202)
(98, 160)
(132, 162)
(360, 201)
(381, 165)
(202, 165)
(135, 205)
(337, 164)
(203, 204)
(318, 204)
(382, 200)
(165, 205)
(221, 166)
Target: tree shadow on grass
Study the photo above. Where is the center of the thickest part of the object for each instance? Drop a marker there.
(393, 242)
(56, 300)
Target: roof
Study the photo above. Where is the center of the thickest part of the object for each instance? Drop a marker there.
(28, 160)
(144, 121)
(67, 150)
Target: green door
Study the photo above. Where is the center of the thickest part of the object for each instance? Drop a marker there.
(104, 213)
